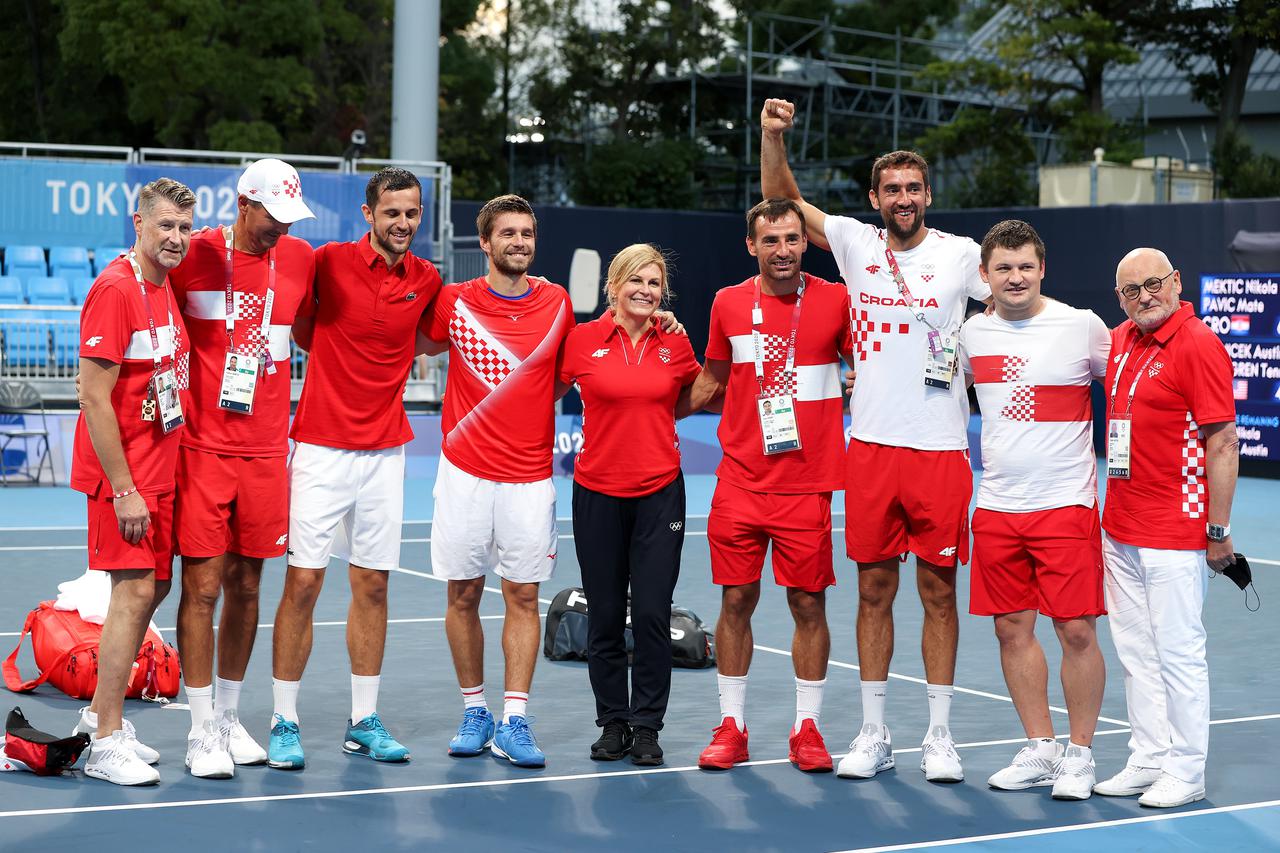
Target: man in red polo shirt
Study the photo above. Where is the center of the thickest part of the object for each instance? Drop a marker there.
(782, 436)
(241, 290)
(1172, 460)
(133, 363)
(347, 485)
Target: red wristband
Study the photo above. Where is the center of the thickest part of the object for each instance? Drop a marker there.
(118, 495)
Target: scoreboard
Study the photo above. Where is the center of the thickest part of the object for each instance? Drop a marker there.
(1243, 309)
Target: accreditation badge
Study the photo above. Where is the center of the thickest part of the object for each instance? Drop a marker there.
(1118, 433)
(164, 387)
(778, 423)
(239, 381)
(940, 360)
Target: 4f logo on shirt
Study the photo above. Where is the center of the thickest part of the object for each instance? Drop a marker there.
(873, 268)
(948, 552)
(600, 353)
(94, 341)
(282, 539)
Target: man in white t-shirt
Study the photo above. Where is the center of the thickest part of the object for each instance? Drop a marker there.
(907, 469)
(1037, 544)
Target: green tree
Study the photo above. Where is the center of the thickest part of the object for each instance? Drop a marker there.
(989, 166)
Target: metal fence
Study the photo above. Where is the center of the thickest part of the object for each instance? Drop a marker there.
(41, 345)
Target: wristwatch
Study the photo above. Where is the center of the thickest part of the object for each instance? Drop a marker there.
(1217, 532)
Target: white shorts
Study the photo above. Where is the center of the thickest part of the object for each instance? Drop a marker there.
(345, 503)
(481, 525)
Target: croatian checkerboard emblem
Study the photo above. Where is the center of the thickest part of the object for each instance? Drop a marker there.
(664, 353)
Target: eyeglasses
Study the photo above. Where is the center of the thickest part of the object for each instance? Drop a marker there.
(1151, 285)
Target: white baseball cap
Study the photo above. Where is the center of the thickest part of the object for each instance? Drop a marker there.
(276, 185)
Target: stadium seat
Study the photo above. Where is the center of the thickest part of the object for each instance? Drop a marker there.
(48, 291)
(69, 262)
(11, 291)
(80, 289)
(65, 326)
(25, 262)
(104, 255)
(26, 340)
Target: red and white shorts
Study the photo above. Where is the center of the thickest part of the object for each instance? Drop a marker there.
(108, 551)
(1050, 560)
(899, 499)
(743, 523)
(231, 503)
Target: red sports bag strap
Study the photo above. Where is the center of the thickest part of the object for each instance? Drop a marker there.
(13, 679)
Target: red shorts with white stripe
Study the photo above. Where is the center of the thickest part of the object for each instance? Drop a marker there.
(231, 503)
(743, 523)
(899, 500)
(1050, 561)
(108, 550)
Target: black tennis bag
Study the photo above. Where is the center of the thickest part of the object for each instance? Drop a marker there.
(692, 645)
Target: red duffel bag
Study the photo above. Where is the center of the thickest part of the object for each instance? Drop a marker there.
(66, 652)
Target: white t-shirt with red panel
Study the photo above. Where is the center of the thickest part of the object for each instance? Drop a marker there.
(498, 417)
(1184, 382)
(199, 283)
(891, 404)
(1033, 378)
(114, 327)
(822, 336)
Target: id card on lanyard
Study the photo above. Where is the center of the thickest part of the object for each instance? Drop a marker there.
(1120, 424)
(240, 383)
(779, 430)
(162, 391)
(940, 360)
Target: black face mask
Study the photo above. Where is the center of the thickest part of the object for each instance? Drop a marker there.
(1240, 574)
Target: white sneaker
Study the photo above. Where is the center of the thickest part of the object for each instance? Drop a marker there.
(1128, 782)
(113, 759)
(144, 752)
(1076, 775)
(1029, 769)
(243, 748)
(207, 755)
(1168, 791)
(939, 759)
(870, 752)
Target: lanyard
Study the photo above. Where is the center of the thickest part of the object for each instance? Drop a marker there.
(903, 290)
(267, 362)
(1115, 383)
(758, 343)
(151, 319)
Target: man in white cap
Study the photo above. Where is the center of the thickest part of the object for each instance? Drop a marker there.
(240, 289)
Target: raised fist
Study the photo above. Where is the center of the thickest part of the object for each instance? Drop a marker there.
(777, 115)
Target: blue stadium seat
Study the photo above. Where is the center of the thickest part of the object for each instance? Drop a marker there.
(69, 262)
(80, 289)
(104, 255)
(48, 291)
(11, 291)
(25, 262)
(26, 343)
(66, 337)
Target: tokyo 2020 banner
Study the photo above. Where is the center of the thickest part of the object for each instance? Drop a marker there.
(1243, 309)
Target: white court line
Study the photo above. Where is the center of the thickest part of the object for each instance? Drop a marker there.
(1268, 562)
(490, 783)
(42, 548)
(1050, 830)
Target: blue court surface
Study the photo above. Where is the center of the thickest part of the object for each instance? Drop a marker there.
(342, 802)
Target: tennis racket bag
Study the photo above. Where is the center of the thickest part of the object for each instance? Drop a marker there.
(565, 637)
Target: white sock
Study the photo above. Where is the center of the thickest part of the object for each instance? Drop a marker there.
(514, 704)
(473, 697)
(285, 695)
(873, 696)
(1085, 751)
(733, 698)
(91, 719)
(201, 701)
(226, 697)
(1045, 747)
(364, 695)
(940, 705)
(808, 701)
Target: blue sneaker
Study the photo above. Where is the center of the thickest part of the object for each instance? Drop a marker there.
(514, 742)
(369, 737)
(474, 735)
(284, 752)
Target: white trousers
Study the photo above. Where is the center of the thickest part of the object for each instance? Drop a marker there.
(1154, 602)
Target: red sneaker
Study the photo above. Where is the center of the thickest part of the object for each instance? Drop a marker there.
(728, 747)
(807, 749)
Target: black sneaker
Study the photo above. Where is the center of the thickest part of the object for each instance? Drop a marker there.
(645, 751)
(613, 743)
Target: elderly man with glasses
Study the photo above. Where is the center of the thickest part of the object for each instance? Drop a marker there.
(1172, 459)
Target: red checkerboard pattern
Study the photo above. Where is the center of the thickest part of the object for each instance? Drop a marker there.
(864, 328)
(1194, 499)
(485, 361)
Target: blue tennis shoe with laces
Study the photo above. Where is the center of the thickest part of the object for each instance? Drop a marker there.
(369, 737)
(514, 742)
(284, 752)
(474, 735)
